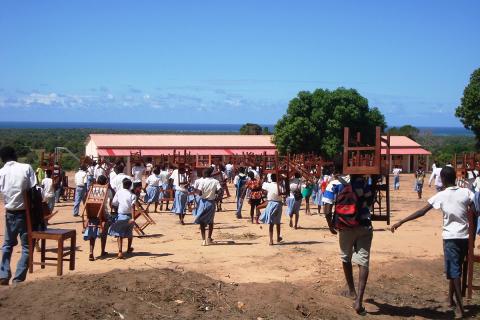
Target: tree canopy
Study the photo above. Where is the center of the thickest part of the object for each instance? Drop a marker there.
(314, 121)
(469, 109)
(251, 129)
(407, 130)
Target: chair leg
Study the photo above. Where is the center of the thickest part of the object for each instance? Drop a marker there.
(42, 252)
(60, 258)
(31, 248)
(73, 241)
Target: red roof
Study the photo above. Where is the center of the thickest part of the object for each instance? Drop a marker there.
(109, 152)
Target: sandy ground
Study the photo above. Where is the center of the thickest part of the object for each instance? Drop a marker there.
(298, 278)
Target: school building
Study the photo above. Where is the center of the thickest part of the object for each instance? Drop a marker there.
(407, 154)
(404, 152)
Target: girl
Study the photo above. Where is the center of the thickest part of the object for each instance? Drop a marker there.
(419, 178)
(294, 201)
(273, 212)
(122, 228)
(92, 231)
(152, 189)
(205, 213)
(254, 185)
(306, 194)
(181, 186)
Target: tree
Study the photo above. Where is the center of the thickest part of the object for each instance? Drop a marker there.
(407, 130)
(469, 109)
(314, 122)
(251, 129)
(266, 131)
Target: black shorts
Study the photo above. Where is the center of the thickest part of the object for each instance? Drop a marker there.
(255, 202)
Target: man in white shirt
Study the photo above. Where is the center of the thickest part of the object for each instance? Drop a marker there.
(208, 189)
(15, 179)
(81, 189)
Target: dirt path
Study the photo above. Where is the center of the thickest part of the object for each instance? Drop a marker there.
(406, 270)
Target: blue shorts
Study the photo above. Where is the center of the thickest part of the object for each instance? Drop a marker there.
(455, 251)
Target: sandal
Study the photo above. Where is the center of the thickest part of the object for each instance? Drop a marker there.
(129, 250)
(120, 256)
(91, 257)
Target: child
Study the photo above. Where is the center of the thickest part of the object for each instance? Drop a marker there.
(48, 191)
(294, 201)
(255, 187)
(92, 230)
(122, 228)
(396, 177)
(273, 212)
(197, 185)
(208, 189)
(306, 194)
(419, 179)
(240, 182)
(454, 203)
(152, 189)
(181, 186)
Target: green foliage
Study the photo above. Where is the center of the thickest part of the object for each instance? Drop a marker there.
(314, 122)
(266, 131)
(444, 148)
(407, 130)
(469, 109)
(251, 129)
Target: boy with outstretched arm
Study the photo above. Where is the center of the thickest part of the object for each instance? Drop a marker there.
(454, 203)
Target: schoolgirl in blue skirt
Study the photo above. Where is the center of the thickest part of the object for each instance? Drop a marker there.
(272, 215)
(294, 200)
(152, 189)
(181, 193)
(205, 213)
(122, 226)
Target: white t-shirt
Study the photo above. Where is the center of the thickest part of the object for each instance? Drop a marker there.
(153, 180)
(80, 178)
(272, 191)
(112, 176)
(99, 171)
(174, 176)
(117, 183)
(48, 191)
(15, 178)
(91, 171)
(396, 172)
(198, 183)
(125, 200)
(229, 167)
(438, 180)
(164, 175)
(295, 184)
(476, 184)
(454, 202)
(209, 187)
(137, 173)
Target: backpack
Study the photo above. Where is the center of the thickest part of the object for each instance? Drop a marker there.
(345, 215)
(241, 182)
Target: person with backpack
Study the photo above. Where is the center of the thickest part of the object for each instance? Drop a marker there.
(351, 219)
(240, 182)
(294, 200)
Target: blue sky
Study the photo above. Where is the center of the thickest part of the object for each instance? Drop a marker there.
(232, 61)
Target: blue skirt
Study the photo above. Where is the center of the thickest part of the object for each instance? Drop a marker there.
(205, 212)
(293, 206)
(197, 204)
(272, 213)
(121, 226)
(180, 202)
(152, 194)
(93, 228)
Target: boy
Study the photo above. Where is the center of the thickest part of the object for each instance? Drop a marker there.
(419, 179)
(355, 239)
(48, 190)
(454, 203)
(240, 183)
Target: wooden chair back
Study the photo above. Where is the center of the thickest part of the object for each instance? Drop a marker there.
(95, 203)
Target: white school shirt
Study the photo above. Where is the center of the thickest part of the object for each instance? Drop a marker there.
(117, 184)
(48, 191)
(80, 178)
(454, 202)
(125, 200)
(137, 173)
(272, 191)
(99, 171)
(209, 188)
(91, 171)
(153, 180)
(164, 175)
(198, 183)
(16, 178)
(476, 184)
(112, 176)
(229, 167)
(396, 172)
(295, 184)
(174, 176)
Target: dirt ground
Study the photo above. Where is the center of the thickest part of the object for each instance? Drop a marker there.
(170, 275)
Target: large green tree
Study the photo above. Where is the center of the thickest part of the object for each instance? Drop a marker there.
(251, 128)
(314, 121)
(469, 109)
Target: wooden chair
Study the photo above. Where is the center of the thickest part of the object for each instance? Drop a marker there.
(59, 235)
(140, 212)
(168, 197)
(472, 258)
(94, 207)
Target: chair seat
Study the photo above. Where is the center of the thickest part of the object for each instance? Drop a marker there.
(54, 234)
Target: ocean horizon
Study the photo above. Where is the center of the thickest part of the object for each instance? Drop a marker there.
(183, 127)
